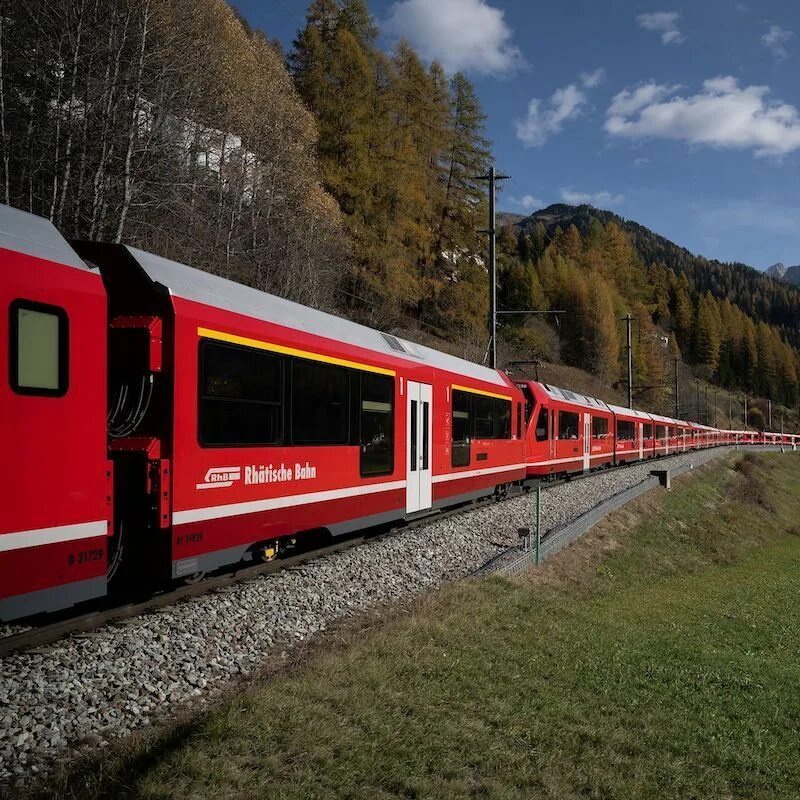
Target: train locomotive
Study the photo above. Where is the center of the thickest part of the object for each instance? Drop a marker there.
(162, 422)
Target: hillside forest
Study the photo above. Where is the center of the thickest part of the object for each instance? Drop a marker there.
(345, 177)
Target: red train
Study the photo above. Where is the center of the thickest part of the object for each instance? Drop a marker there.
(163, 422)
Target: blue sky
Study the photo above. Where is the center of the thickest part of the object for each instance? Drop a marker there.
(684, 116)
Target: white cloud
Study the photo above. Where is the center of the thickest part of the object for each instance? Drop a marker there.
(527, 202)
(775, 39)
(593, 79)
(603, 198)
(468, 35)
(640, 162)
(723, 115)
(663, 22)
(629, 101)
(741, 7)
(543, 121)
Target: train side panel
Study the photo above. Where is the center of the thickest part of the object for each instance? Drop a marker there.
(54, 518)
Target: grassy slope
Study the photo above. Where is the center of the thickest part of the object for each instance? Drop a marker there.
(660, 662)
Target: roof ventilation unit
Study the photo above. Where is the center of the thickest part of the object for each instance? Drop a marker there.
(394, 343)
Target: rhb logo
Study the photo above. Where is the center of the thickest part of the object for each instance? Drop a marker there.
(221, 477)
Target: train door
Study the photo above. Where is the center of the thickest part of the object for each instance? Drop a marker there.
(587, 440)
(552, 440)
(640, 426)
(419, 425)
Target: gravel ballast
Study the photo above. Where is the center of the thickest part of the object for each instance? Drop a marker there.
(92, 687)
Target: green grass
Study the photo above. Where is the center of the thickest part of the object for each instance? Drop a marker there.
(666, 668)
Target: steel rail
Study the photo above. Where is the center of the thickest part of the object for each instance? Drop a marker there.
(50, 633)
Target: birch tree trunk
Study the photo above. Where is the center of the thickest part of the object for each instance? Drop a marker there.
(134, 125)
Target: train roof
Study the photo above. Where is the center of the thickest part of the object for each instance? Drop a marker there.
(568, 396)
(35, 236)
(667, 420)
(629, 412)
(203, 287)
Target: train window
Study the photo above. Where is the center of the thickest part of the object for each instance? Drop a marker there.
(626, 431)
(660, 431)
(541, 426)
(239, 396)
(492, 417)
(647, 431)
(567, 425)
(425, 442)
(462, 425)
(320, 403)
(39, 354)
(599, 427)
(412, 453)
(377, 425)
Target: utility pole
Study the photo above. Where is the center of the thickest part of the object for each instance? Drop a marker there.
(705, 416)
(677, 389)
(715, 408)
(492, 177)
(730, 412)
(630, 358)
(769, 408)
(697, 410)
(745, 412)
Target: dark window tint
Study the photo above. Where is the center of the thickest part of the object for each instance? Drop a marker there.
(567, 425)
(425, 443)
(626, 431)
(462, 426)
(660, 432)
(240, 395)
(39, 349)
(414, 434)
(648, 430)
(320, 401)
(541, 426)
(599, 427)
(377, 424)
(492, 417)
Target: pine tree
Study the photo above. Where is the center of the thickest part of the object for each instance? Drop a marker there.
(706, 336)
(465, 156)
(600, 336)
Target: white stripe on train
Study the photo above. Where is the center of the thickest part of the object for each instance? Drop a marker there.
(58, 533)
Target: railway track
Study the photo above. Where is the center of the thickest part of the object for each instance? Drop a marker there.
(51, 632)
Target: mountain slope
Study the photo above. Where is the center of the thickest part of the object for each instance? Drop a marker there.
(760, 296)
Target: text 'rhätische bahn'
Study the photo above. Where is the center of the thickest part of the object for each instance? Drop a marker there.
(161, 422)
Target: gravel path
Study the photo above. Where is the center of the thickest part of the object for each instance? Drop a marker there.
(92, 687)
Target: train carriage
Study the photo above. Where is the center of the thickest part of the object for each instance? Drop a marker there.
(55, 509)
(283, 420)
(665, 439)
(567, 432)
(630, 444)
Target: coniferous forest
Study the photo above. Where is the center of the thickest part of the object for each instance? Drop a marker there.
(344, 177)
